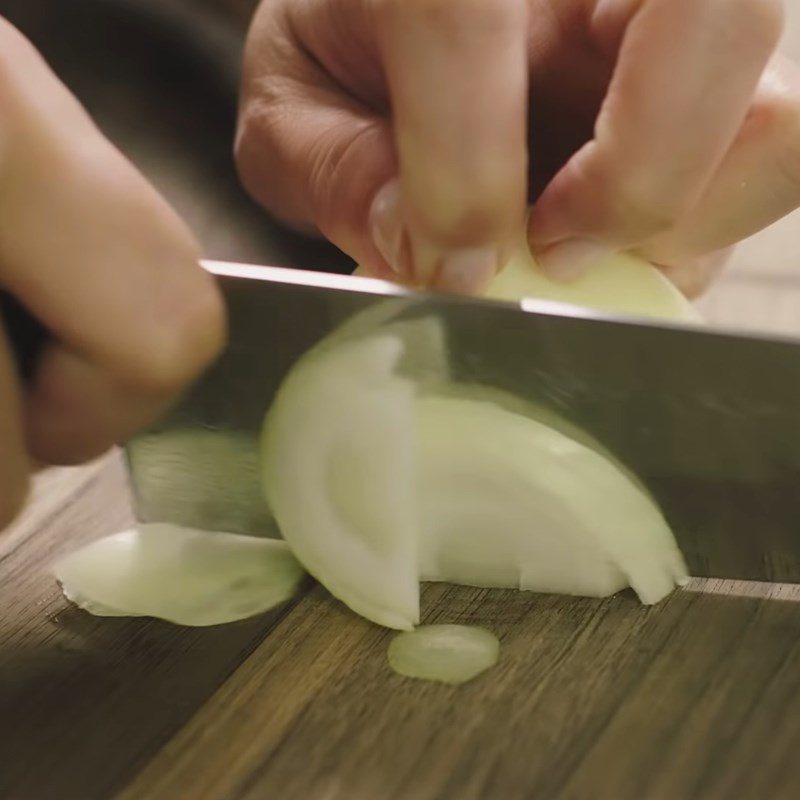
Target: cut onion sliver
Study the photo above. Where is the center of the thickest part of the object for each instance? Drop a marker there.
(185, 576)
(338, 473)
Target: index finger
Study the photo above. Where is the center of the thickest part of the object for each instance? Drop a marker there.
(458, 80)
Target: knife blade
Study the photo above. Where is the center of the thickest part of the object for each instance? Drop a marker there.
(709, 419)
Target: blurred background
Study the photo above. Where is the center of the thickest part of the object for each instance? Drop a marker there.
(161, 79)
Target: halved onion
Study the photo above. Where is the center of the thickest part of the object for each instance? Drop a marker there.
(376, 487)
(186, 576)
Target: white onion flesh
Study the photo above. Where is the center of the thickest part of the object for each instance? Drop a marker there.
(508, 501)
(444, 653)
(182, 575)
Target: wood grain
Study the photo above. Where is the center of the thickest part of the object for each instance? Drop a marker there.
(599, 699)
(84, 702)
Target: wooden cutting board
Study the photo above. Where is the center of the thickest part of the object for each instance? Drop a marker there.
(696, 698)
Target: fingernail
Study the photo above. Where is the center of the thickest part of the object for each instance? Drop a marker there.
(468, 270)
(385, 223)
(569, 260)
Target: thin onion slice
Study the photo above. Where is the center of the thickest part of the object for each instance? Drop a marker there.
(444, 653)
(183, 575)
(338, 475)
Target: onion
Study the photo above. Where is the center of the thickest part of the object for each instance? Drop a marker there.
(444, 653)
(182, 575)
(376, 485)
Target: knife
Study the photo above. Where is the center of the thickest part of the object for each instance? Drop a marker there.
(709, 419)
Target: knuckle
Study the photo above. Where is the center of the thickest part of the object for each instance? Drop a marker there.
(628, 203)
(469, 207)
(245, 153)
(486, 218)
(343, 172)
(268, 154)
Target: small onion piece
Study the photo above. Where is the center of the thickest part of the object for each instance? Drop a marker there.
(182, 575)
(443, 653)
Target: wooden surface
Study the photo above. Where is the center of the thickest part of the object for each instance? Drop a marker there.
(697, 698)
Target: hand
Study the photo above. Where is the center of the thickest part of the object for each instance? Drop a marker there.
(101, 260)
(412, 133)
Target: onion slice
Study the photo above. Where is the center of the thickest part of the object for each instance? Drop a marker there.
(183, 575)
(445, 653)
(338, 457)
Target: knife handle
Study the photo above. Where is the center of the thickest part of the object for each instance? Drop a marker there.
(24, 333)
